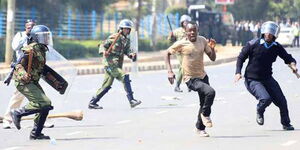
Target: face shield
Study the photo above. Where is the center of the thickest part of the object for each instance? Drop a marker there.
(271, 28)
(44, 38)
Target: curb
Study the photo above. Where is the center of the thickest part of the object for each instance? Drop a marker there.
(149, 66)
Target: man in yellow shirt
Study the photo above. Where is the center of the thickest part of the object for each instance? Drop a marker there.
(192, 49)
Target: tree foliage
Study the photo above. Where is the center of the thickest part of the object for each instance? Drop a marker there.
(265, 9)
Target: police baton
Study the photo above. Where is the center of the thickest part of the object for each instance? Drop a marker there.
(169, 24)
(113, 43)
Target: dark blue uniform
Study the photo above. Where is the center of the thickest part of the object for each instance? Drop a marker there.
(258, 75)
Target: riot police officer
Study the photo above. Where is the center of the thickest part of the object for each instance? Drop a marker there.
(27, 74)
(259, 81)
(113, 50)
(174, 36)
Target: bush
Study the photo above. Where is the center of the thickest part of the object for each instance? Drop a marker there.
(145, 44)
(72, 49)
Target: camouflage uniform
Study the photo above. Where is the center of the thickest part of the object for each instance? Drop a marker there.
(178, 34)
(113, 68)
(28, 85)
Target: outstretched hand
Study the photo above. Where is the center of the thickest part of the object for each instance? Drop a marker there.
(211, 43)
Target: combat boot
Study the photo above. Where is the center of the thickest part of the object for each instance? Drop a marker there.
(93, 102)
(17, 114)
(36, 133)
(38, 137)
(133, 102)
(288, 127)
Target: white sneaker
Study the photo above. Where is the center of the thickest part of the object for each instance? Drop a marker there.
(6, 124)
(206, 121)
(202, 133)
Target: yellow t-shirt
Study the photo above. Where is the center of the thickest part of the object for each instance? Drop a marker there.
(192, 56)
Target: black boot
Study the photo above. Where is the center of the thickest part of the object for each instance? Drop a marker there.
(260, 118)
(261, 107)
(133, 102)
(39, 137)
(36, 133)
(93, 103)
(288, 127)
(17, 114)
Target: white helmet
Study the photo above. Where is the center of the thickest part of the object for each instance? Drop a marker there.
(185, 18)
(125, 23)
(271, 28)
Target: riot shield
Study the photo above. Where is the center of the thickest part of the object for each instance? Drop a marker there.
(54, 79)
(59, 73)
(135, 49)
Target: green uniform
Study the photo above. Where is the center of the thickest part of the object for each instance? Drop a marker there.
(178, 34)
(114, 62)
(30, 87)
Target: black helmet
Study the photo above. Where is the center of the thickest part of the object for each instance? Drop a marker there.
(41, 34)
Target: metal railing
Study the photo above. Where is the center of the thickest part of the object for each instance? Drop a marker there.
(92, 25)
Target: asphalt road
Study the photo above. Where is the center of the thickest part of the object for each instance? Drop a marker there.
(165, 120)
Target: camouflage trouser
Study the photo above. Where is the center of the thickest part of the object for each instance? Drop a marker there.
(36, 96)
(180, 70)
(110, 74)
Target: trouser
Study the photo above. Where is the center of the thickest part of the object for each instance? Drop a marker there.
(266, 92)
(206, 96)
(39, 104)
(180, 70)
(14, 102)
(110, 74)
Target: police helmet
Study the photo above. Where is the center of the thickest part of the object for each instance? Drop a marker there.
(41, 34)
(185, 18)
(271, 28)
(125, 23)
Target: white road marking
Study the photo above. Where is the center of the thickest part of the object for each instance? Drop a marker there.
(161, 112)
(73, 133)
(288, 143)
(170, 98)
(192, 105)
(123, 122)
(12, 148)
(220, 99)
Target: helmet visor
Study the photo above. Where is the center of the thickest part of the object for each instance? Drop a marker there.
(270, 28)
(45, 38)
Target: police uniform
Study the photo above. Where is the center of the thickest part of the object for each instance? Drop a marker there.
(258, 74)
(27, 82)
(113, 66)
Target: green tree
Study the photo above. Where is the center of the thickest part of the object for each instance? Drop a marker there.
(249, 10)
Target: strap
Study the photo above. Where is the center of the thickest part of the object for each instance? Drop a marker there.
(29, 61)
